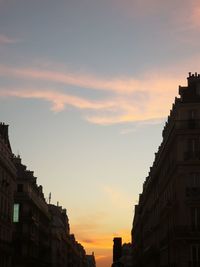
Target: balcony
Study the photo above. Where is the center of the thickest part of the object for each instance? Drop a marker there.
(190, 124)
(187, 232)
(187, 124)
(5, 246)
(192, 192)
(192, 155)
(193, 263)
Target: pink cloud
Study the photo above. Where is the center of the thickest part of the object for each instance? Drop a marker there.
(7, 40)
(150, 98)
(59, 100)
(121, 85)
(194, 14)
(129, 99)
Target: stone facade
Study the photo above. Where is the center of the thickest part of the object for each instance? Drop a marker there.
(31, 221)
(7, 187)
(32, 232)
(59, 237)
(166, 226)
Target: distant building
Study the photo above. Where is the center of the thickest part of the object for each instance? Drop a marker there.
(77, 255)
(90, 261)
(59, 237)
(166, 226)
(7, 187)
(31, 221)
(65, 250)
(127, 255)
(122, 253)
(117, 252)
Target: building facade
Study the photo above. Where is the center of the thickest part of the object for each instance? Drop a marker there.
(166, 225)
(59, 236)
(7, 187)
(31, 221)
(32, 232)
(117, 249)
(90, 260)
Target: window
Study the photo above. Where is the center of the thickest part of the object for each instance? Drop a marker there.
(195, 254)
(16, 213)
(193, 144)
(193, 180)
(20, 188)
(195, 218)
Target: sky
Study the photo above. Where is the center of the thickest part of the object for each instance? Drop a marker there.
(86, 86)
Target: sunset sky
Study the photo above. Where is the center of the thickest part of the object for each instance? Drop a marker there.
(86, 86)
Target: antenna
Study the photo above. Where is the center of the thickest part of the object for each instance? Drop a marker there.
(50, 198)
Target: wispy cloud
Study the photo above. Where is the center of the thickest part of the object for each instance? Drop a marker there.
(4, 39)
(126, 99)
(118, 85)
(58, 99)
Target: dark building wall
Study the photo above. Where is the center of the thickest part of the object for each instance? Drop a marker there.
(59, 236)
(117, 249)
(32, 233)
(7, 187)
(166, 226)
(31, 222)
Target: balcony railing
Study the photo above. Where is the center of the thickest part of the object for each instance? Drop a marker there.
(187, 231)
(194, 264)
(192, 192)
(192, 155)
(181, 124)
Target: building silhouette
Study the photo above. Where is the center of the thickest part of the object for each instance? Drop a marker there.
(90, 260)
(122, 253)
(33, 233)
(166, 225)
(117, 248)
(59, 236)
(7, 187)
(31, 237)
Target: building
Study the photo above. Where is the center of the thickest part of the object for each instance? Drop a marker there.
(117, 252)
(127, 255)
(31, 221)
(59, 237)
(166, 225)
(76, 253)
(65, 250)
(90, 260)
(122, 253)
(117, 248)
(7, 187)
(32, 232)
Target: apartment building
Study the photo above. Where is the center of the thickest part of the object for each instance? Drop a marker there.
(166, 225)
